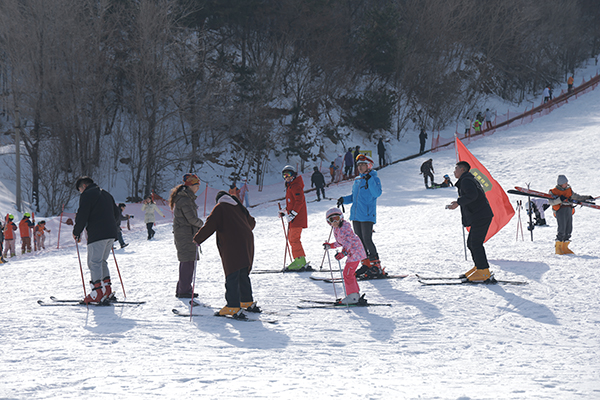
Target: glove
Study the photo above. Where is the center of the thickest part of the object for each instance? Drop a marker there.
(281, 214)
(589, 197)
(340, 201)
(340, 255)
(327, 246)
(367, 177)
(290, 217)
(563, 197)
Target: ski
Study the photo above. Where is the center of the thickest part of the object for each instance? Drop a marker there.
(340, 306)
(458, 281)
(247, 319)
(534, 193)
(110, 302)
(333, 303)
(336, 280)
(67, 304)
(306, 268)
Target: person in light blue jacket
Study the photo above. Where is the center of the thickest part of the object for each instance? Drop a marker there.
(363, 214)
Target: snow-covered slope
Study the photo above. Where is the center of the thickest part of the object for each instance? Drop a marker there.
(481, 342)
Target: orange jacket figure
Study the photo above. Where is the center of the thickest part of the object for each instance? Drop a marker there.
(9, 229)
(24, 226)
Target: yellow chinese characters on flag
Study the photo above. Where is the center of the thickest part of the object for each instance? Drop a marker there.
(501, 207)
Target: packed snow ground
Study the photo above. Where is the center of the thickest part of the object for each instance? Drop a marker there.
(447, 342)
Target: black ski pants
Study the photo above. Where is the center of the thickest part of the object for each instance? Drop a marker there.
(475, 241)
(320, 191)
(238, 288)
(364, 231)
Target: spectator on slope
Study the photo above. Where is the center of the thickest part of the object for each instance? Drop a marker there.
(355, 155)
(122, 217)
(363, 214)
(318, 180)
(489, 116)
(339, 167)
(422, 140)
(39, 236)
(234, 191)
(98, 214)
(477, 214)
(427, 171)
(562, 204)
(477, 126)
(233, 224)
(296, 215)
(467, 126)
(381, 152)
(25, 227)
(570, 84)
(9, 236)
(332, 171)
(149, 208)
(352, 248)
(546, 94)
(186, 224)
(348, 164)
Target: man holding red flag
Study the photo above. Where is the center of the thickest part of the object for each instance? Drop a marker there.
(477, 214)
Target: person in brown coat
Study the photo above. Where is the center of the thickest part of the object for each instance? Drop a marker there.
(233, 224)
(186, 223)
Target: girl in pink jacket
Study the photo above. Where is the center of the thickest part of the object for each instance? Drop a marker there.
(352, 248)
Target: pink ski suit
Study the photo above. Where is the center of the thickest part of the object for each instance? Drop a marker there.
(351, 244)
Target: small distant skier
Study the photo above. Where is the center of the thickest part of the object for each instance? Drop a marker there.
(477, 126)
(381, 152)
(339, 168)
(332, 171)
(352, 248)
(9, 236)
(233, 224)
(318, 180)
(39, 236)
(149, 208)
(489, 115)
(467, 126)
(570, 84)
(348, 164)
(120, 230)
(427, 171)
(25, 227)
(422, 140)
(447, 183)
(476, 213)
(296, 215)
(363, 214)
(2, 260)
(546, 94)
(562, 204)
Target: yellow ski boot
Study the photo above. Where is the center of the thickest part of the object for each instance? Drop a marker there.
(480, 275)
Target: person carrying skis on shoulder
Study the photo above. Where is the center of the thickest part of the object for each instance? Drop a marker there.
(563, 207)
(296, 215)
(25, 227)
(352, 248)
(363, 214)
(233, 224)
(149, 208)
(476, 213)
(9, 236)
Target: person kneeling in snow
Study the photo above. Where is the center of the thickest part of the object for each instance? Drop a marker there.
(352, 248)
(235, 240)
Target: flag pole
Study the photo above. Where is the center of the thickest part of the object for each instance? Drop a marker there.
(461, 225)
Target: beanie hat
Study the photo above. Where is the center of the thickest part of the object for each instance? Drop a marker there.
(190, 180)
(561, 180)
(333, 211)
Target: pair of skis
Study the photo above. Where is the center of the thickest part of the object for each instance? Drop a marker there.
(68, 302)
(337, 280)
(534, 193)
(455, 280)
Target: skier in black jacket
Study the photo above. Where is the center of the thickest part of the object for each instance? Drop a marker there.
(97, 213)
(476, 213)
(318, 180)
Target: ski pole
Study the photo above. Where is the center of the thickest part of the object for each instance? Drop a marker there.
(287, 243)
(464, 242)
(343, 283)
(80, 269)
(323, 260)
(119, 272)
(331, 271)
(193, 285)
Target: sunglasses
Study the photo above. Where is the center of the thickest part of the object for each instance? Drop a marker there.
(333, 218)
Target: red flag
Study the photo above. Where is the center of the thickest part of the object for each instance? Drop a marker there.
(501, 207)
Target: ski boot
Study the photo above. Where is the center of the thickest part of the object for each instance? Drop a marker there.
(250, 306)
(375, 271)
(96, 295)
(480, 275)
(298, 265)
(352, 298)
(565, 248)
(108, 293)
(468, 273)
(364, 267)
(558, 247)
(185, 295)
(235, 312)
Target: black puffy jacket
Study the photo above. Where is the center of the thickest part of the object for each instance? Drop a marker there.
(97, 213)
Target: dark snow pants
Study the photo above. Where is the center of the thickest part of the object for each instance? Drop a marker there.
(364, 231)
(238, 288)
(475, 241)
(186, 275)
(564, 220)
